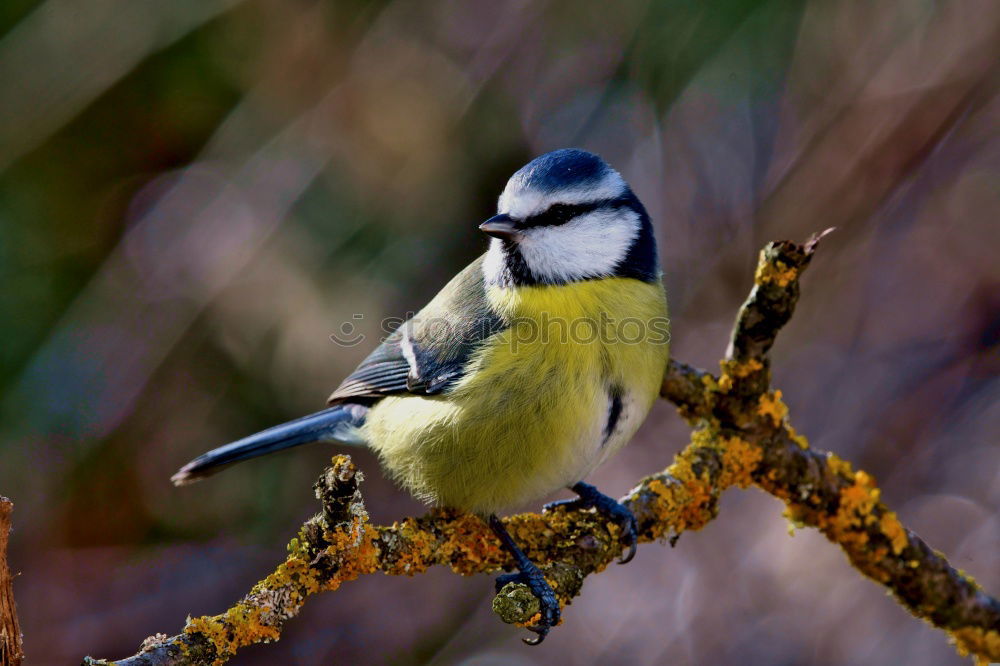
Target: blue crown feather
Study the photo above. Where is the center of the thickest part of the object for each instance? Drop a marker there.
(562, 169)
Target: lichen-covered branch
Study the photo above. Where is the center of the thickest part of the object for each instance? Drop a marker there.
(741, 436)
(11, 651)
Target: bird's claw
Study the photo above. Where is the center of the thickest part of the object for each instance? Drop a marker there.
(549, 605)
(591, 498)
(541, 631)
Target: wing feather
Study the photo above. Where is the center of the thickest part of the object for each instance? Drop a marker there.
(429, 353)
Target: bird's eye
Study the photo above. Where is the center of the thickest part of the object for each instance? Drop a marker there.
(557, 214)
(560, 213)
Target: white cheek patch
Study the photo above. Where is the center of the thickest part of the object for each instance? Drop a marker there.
(521, 203)
(590, 245)
(493, 264)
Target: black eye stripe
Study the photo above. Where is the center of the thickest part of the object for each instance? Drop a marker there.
(560, 213)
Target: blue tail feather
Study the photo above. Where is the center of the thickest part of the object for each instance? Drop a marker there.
(339, 423)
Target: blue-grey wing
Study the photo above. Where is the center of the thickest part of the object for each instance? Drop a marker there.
(430, 352)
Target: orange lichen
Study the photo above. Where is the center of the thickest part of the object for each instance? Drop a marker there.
(839, 466)
(215, 631)
(798, 515)
(255, 620)
(982, 643)
(533, 620)
(471, 548)
(856, 510)
(777, 272)
(683, 505)
(860, 518)
(770, 405)
(352, 547)
(800, 440)
(259, 616)
(689, 504)
(693, 512)
(662, 507)
(739, 460)
(793, 514)
(709, 382)
(417, 554)
(893, 529)
(247, 626)
(739, 369)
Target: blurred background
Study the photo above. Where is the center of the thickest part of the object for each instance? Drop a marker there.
(195, 194)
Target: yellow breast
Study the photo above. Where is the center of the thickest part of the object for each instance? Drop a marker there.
(531, 413)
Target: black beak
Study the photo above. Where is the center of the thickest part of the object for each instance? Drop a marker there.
(500, 226)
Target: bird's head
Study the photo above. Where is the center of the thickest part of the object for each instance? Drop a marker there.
(568, 216)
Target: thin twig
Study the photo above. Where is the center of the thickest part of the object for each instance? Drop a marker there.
(11, 648)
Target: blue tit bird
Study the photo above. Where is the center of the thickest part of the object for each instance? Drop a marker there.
(529, 369)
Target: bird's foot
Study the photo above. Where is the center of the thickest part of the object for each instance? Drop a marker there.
(549, 605)
(592, 498)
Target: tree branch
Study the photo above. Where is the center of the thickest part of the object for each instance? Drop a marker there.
(741, 436)
(11, 650)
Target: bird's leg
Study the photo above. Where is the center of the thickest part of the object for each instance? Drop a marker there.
(591, 497)
(530, 575)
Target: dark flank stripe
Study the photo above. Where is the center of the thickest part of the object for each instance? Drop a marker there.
(614, 411)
